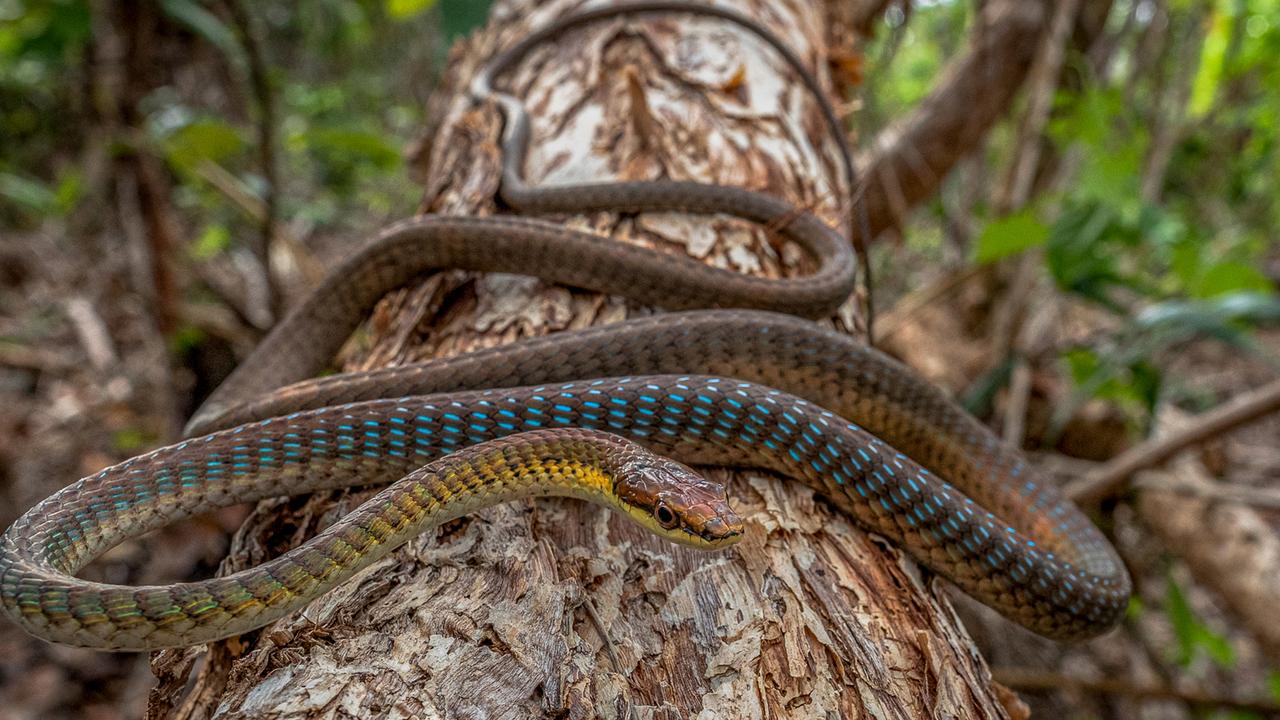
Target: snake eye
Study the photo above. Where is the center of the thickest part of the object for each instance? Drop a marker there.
(665, 516)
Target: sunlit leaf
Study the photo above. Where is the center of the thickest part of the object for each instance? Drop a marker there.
(205, 140)
(131, 440)
(1010, 235)
(1222, 317)
(1228, 277)
(1250, 307)
(1110, 176)
(213, 241)
(1205, 86)
(370, 147)
(1273, 684)
(405, 9)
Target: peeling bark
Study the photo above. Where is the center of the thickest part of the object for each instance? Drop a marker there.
(492, 615)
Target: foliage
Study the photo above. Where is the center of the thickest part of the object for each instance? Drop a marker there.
(1010, 235)
(342, 121)
(1173, 252)
(1194, 637)
(1158, 205)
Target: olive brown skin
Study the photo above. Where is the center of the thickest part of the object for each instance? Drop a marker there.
(41, 553)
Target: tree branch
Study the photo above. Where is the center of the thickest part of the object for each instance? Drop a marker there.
(908, 161)
(1240, 410)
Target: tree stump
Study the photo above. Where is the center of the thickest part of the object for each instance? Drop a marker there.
(557, 609)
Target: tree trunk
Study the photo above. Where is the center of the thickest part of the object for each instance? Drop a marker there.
(554, 608)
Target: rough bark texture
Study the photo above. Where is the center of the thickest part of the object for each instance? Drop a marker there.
(491, 616)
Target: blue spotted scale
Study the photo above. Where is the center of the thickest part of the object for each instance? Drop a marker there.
(1032, 575)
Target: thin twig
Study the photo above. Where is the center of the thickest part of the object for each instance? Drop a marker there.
(1241, 410)
(1015, 416)
(608, 647)
(39, 359)
(1257, 497)
(250, 38)
(1026, 679)
(92, 332)
(1012, 196)
(1043, 82)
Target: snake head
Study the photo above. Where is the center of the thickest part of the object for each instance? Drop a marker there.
(671, 500)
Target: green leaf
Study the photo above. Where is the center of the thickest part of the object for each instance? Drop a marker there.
(1217, 646)
(68, 192)
(1183, 621)
(358, 144)
(185, 339)
(1135, 608)
(1010, 235)
(213, 241)
(981, 394)
(1122, 379)
(131, 440)
(1191, 633)
(38, 198)
(1212, 57)
(1084, 253)
(1228, 277)
(1273, 684)
(27, 192)
(205, 140)
(1110, 176)
(406, 9)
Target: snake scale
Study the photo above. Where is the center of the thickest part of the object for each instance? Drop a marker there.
(608, 414)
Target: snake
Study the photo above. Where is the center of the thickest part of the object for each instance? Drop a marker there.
(760, 386)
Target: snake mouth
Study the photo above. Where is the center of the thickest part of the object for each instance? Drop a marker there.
(720, 531)
(716, 532)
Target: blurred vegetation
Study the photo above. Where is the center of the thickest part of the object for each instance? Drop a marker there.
(1174, 252)
(343, 120)
(1160, 210)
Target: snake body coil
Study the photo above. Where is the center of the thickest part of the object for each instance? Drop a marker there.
(40, 554)
(739, 388)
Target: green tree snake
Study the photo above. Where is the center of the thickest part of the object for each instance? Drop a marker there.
(607, 414)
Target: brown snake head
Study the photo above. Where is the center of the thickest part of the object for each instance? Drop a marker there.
(673, 501)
